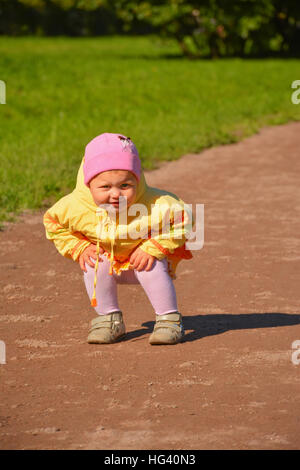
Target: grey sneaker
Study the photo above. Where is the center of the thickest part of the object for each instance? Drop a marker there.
(106, 329)
(168, 329)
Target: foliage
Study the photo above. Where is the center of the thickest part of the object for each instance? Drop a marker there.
(221, 27)
(57, 17)
(203, 28)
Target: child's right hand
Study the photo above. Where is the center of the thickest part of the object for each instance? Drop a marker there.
(89, 252)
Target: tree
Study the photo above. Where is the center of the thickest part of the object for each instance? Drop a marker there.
(220, 27)
(202, 28)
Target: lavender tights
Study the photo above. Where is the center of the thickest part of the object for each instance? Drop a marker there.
(156, 283)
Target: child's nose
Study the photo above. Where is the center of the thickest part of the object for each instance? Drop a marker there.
(115, 193)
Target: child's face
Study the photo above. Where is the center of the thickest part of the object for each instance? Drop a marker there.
(107, 187)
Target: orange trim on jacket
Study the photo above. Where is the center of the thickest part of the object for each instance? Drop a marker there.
(179, 253)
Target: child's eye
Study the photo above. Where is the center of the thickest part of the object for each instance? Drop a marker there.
(125, 185)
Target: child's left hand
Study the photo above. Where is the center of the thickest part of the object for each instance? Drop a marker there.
(140, 260)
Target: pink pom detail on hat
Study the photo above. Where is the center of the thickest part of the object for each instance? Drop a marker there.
(110, 152)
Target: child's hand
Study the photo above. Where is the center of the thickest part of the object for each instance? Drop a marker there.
(140, 260)
(90, 251)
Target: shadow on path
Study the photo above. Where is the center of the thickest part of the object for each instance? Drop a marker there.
(208, 325)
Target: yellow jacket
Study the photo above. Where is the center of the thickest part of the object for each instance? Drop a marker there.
(75, 221)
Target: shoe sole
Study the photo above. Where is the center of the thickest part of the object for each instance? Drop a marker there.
(157, 342)
(109, 342)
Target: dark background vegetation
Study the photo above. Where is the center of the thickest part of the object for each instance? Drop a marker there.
(205, 28)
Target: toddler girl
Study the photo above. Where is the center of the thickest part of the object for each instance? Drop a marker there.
(114, 225)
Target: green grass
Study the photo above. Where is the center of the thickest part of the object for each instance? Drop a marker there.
(62, 92)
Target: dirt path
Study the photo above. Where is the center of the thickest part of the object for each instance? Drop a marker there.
(230, 385)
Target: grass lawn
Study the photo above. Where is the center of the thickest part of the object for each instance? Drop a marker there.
(62, 92)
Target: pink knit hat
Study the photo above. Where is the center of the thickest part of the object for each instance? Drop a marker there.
(110, 152)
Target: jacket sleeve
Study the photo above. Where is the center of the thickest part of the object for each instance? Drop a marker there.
(69, 243)
(170, 238)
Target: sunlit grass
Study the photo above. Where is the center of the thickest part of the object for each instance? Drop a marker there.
(60, 93)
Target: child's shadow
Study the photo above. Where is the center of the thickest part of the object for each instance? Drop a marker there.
(208, 325)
